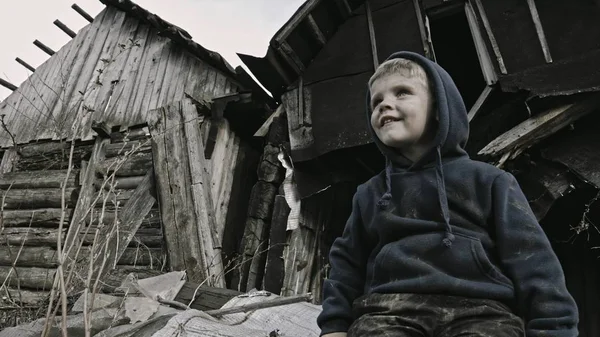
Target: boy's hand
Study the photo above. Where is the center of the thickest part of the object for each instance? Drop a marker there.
(335, 334)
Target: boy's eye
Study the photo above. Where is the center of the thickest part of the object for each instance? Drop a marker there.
(402, 92)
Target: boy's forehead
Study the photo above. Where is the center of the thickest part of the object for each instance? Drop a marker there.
(398, 78)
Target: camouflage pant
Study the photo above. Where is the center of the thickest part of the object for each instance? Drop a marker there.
(417, 315)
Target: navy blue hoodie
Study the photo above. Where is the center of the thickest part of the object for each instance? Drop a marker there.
(446, 224)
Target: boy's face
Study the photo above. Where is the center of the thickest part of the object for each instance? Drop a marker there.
(401, 113)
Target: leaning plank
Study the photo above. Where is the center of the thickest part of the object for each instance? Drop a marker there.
(37, 198)
(299, 256)
(540, 126)
(116, 238)
(274, 268)
(30, 278)
(177, 151)
(37, 179)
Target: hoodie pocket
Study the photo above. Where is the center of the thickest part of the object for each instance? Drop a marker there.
(422, 260)
(485, 265)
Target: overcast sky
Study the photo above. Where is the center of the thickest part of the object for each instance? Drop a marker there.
(225, 26)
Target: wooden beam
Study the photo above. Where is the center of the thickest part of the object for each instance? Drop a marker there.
(422, 29)
(540, 127)
(278, 67)
(540, 30)
(25, 64)
(10, 158)
(64, 28)
(482, 97)
(82, 13)
(264, 129)
(485, 61)
(290, 56)
(372, 35)
(8, 85)
(44, 48)
(315, 30)
(490, 33)
(37, 179)
(296, 19)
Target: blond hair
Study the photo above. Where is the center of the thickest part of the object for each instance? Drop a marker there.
(400, 66)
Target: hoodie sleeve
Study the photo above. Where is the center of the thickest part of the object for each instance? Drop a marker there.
(528, 258)
(348, 259)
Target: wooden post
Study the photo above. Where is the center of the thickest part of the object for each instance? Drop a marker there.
(8, 85)
(64, 28)
(183, 183)
(482, 97)
(8, 161)
(82, 13)
(25, 64)
(44, 48)
(485, 61)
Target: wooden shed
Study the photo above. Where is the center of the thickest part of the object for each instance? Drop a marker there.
(129, 148)
(527, 72)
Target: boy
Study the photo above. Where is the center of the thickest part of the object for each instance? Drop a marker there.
(439, 244)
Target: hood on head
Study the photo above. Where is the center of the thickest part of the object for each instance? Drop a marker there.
(453, 126)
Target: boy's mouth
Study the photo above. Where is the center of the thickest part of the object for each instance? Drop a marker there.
(388, 119)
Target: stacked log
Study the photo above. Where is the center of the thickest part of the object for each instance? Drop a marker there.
(255, 245)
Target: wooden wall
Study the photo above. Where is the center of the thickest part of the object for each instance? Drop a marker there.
(115, 70)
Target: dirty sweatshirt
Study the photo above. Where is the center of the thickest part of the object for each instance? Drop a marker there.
(449, 225)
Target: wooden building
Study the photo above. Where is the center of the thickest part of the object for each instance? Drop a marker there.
(129, 148)
(527, 71)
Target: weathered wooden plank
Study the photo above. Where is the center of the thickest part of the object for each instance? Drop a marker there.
(175, 146)
(84, 202)
(540, 126)
(125, 91)
(144, 81)
(206, 298)
(23, 298)
(296, 19)
(37, 198)
(38, 179)
(29, 278)
(196, 80)
(129, 220)
(98, 81)
(485, 61)
(270, 169)
(9, 159)
(372, 38)
(479, 103)
(47, 217)
(176, 60)
(201, 196)
(122, 183)
(51, 156)
(491, 37)
(261, 200)
(274, 267)
(177, 90)
(299, 257)
(222, 202)
(159, 77)
(539, 29)
(134, 164)
(220, 85)
(77, 75)
(112, 75)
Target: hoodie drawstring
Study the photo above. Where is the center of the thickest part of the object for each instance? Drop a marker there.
(385, 199)
(441, 189)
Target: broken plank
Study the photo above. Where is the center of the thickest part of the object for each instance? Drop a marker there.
(203, 297)
(129, 219)
(480, 100)
(540, 127)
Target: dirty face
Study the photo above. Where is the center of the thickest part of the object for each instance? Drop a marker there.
(402, 114)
